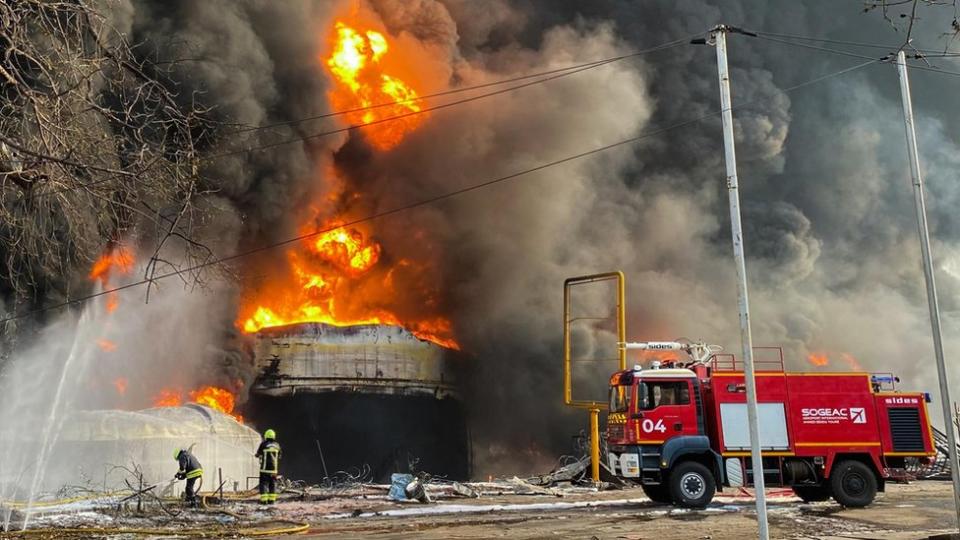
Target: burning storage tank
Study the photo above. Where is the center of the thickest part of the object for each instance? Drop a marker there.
(355, 351)
(343, 397)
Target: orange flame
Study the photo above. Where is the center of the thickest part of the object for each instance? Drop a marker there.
(345, 250)
(341, 277)
(819, 360)
(851, 362)
(356, 63)
(216, 398)
(326, 290)
(664, 357)
(116, 260)
(106, 345)
(120, 384)
(168, 398)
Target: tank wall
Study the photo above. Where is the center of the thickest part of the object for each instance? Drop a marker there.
(107, 464)
(369, 358)
(350, 430)
(98, 450)
(342, 398)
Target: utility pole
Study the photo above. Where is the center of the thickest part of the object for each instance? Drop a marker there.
(719, 37)
(932, 301)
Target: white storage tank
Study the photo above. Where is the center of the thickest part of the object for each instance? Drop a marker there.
(98, 449)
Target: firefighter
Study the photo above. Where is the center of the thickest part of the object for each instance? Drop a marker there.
(190, 470)
(269, 454)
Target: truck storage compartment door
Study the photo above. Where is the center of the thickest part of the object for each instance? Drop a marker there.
(773, 426)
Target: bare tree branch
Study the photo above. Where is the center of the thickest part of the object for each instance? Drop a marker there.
(902, 15)
(97, 147)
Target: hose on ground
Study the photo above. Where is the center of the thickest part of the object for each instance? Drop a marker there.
(288, 527)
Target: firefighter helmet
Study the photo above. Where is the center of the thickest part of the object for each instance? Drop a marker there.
(176, 453)
(269, 434)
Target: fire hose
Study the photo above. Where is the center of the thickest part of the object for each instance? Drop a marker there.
(43, 504)
(287, 527)
(107, 495)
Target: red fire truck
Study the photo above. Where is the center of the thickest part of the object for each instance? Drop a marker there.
(680, 429)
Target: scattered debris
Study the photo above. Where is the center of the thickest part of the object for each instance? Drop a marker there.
(465, 491)
(524, 487)
(416, 491)
(569, 472)
(398, 486)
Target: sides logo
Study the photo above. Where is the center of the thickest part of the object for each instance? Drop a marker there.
(858, 415)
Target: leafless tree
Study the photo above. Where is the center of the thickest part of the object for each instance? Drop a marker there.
(96, 147)
(904, 14)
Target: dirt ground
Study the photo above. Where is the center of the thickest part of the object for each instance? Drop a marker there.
(905, 512)
(914, 511)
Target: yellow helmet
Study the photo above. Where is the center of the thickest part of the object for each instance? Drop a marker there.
(269, 434)
(176, 453)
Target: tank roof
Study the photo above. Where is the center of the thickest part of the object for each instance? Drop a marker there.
(189, 421)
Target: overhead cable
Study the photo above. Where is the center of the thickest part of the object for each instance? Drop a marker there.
(427, 201)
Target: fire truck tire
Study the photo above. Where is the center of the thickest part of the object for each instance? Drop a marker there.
(812, 493)
(691, 485)
(854, 484)
(659, 493)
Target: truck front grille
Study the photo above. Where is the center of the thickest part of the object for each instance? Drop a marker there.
(905, 429)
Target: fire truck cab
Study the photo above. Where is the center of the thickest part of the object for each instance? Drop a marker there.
(681, 430)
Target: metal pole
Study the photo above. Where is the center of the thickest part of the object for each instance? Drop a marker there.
(322, 461)
(932, 302)
(719, 35)
(595, 445)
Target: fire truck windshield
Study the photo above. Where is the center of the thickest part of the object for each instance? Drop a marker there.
(620, 398)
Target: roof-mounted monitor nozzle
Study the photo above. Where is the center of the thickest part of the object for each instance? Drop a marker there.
(699, 351)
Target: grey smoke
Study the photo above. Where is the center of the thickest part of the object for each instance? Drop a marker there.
(830, 233)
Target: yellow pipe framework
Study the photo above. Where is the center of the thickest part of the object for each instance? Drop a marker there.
(593, 406)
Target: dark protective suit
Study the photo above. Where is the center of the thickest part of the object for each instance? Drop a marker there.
(191, 470)
(269, 454)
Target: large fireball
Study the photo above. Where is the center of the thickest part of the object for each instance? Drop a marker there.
(360, 81)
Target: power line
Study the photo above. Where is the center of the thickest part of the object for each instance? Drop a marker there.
(886, 58)
(563, 72)
(767, 37)
(566, 73)
(427, 201)
(467, 88)
(551, 75)
(858, 43)
(934, 69)
(321, 134)
(547, 76)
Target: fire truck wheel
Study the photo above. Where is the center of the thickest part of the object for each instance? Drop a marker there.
(854, 484)
(692, 485)
(659, 493)
(812, 493)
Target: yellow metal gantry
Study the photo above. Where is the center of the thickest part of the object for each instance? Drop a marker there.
(594, 407)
